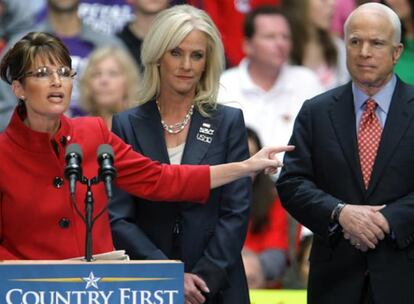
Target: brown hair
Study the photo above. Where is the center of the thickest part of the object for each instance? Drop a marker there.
(20, 58)
(264, 194)
(297, 12)
(249, 26)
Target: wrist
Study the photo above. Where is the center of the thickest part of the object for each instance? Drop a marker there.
(245, 168)
(337, 212)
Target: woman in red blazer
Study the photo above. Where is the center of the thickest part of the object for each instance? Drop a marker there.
(38, 220)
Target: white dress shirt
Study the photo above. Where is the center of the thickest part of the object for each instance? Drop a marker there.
(270, 113)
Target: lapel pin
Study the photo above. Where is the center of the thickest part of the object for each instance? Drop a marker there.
(205, 133)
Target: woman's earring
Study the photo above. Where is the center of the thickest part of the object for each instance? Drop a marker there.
(22, 97)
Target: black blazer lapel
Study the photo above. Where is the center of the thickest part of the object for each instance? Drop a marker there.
(399, 117)
(200, 136)
(344, 122)
(149, 133)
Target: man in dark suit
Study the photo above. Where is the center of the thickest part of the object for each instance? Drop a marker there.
(351, 177)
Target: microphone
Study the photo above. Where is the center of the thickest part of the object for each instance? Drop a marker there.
(107, 171)
(73, 169)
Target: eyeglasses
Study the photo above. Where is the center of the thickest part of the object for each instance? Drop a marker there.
(64, 73)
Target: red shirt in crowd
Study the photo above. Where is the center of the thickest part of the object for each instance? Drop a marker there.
(275, 235)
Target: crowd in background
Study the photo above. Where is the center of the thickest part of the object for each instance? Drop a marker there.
(278, 54)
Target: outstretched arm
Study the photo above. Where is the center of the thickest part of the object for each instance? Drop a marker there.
(265, 159)
(147, 179)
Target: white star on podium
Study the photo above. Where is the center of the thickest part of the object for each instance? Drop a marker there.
(91, 281)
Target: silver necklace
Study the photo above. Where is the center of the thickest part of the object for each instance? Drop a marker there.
(179, 126)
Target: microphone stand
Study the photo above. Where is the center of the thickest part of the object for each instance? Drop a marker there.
(73, 172)
(89, 215)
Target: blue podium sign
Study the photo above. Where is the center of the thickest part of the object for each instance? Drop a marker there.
(102, 282)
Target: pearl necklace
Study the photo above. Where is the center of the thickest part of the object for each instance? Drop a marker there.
(179, 126)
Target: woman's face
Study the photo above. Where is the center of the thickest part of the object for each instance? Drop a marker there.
(108, 85)
(320, 12)
(46, 89)
(182, 67)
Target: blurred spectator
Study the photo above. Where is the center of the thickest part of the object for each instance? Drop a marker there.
(7, 103)
(2, 44)
(314, 46)
(341, 11)
(304, 248)
(80, 39)
(265, 252)
(106, 16)
(405, 10)
(228, 16)
(268, 89)
(133, 33)
(109, 83)
(15, 17)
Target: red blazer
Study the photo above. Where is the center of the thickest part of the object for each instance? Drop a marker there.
(37, 219)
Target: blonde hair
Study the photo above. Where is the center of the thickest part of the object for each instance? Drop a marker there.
(128, 67)
(167, 31)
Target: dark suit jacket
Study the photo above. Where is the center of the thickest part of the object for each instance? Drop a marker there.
(207, 238)
(324, 169)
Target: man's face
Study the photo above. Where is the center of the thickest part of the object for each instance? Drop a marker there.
(149, 6)
(63, 5)
(271, 43)
(371, 50)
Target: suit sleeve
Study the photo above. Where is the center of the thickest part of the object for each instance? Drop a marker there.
(223, 249)
(122, 210)
(296, 185)
(400, 215)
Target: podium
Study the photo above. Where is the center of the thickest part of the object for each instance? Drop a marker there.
(100, 282)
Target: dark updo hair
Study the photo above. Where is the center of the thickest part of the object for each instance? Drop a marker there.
(20, 58)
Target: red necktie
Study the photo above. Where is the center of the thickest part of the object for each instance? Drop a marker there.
(369, 135)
